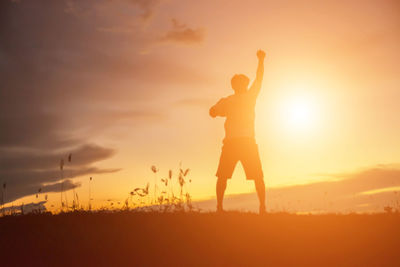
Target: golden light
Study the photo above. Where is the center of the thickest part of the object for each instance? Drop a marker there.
(299, 113)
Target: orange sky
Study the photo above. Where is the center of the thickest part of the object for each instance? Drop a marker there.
(133, 81)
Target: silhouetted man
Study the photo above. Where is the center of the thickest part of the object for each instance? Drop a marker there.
(239, 142)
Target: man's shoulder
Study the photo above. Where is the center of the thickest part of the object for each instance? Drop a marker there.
(226, 99)
(230, 97)
(237, 98)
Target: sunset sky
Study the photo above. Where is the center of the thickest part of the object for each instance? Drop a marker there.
(124, 85)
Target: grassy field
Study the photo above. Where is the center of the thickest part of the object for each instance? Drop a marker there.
(199, 239)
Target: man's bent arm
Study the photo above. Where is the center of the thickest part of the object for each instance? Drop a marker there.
(213, 112)
(218, 109)
(256, 86)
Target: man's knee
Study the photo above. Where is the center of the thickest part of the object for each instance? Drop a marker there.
(222, 181)
(259, 183)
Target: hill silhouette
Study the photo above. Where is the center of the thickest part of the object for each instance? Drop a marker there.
(369, 191)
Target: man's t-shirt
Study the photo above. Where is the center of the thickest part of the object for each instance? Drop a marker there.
(240, 114)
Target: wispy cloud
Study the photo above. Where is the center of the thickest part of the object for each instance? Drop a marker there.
(39, 160)
(368, 190)
(195, 102)
(25, 171)
(146, 8)
(181, 33)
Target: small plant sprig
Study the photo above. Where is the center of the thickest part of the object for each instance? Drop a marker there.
(139, 194)
(164, 198)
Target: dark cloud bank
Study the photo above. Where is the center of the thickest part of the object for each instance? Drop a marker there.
(25, 171)
(58, 60)
(40, 43)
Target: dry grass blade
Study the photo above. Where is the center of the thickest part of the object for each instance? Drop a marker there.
(154, 169)
(186, 172)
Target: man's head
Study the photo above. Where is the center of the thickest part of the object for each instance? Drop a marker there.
(240, 83)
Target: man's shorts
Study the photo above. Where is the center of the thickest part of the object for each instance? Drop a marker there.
(244, 150)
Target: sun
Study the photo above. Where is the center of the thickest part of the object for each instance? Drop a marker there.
(299, 113)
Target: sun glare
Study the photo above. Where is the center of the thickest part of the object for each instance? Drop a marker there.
(299, 113)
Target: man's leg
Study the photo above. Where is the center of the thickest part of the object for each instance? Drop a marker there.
(260, 188)
(252, 166)
(221, 186)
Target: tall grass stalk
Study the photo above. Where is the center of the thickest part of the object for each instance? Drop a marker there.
(155, 170)
(3, 196)
(75, 204)
(62, 183)
(90, 193)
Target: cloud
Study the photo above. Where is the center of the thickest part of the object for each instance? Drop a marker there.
(69, 70)
(38, 160)
(27, 208)
(201, 102)
(181, 33)
(25, 171)
(368, 190)
(86, 8)
(147, 6)
(25, 127)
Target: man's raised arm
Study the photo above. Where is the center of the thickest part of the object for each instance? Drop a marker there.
(256, 86)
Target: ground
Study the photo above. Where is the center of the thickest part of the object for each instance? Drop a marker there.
(200, 239)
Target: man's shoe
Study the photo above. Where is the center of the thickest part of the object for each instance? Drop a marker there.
(220, 210)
